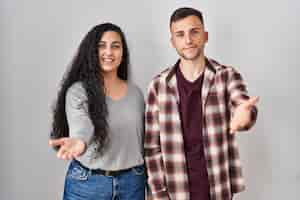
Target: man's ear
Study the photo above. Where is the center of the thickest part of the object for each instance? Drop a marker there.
(206, 36)
(172, 41)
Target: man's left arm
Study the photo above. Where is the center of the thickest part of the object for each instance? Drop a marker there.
(242, 107)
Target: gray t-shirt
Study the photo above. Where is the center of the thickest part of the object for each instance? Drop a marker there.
(125, 132)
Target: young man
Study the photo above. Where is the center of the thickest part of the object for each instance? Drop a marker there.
(193, 111)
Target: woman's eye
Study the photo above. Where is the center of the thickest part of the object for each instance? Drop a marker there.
(101, 46)
(116, 46)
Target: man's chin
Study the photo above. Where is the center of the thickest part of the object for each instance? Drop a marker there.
(190, 57)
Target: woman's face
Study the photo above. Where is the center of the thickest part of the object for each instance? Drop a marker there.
(110, 50)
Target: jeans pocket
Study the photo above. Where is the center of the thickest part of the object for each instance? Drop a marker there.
(139, 170)
(76, 172)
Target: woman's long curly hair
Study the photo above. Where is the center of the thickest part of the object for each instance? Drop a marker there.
(85, 67)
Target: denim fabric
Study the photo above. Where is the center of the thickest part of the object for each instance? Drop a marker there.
(81, 185)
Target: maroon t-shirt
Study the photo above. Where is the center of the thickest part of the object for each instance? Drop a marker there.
(191, 121)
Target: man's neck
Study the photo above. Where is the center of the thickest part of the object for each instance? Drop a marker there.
(192, 69)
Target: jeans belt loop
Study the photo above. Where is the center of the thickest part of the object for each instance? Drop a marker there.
(107, 173)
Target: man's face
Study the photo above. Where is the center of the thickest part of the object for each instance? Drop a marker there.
(188, 37)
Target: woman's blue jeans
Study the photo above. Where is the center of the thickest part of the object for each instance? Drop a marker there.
(81, 185)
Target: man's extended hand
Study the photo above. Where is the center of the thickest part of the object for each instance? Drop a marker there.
(242, 114)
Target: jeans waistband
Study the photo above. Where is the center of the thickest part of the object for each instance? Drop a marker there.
(103, 172)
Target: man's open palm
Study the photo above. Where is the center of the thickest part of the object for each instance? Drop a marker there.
(242, 114)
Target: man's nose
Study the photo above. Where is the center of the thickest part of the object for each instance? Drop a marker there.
(188, 39)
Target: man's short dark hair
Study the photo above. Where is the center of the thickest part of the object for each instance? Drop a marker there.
(184, 12)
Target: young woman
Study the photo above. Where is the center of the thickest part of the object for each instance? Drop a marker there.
(98, 121)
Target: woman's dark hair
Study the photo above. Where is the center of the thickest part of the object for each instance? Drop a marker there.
(85, 68)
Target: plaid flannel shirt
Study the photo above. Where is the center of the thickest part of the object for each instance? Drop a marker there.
(223, 89)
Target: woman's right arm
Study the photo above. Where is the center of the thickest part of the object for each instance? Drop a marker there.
(80, 126)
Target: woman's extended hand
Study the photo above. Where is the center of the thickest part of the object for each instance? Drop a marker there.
(70, 148)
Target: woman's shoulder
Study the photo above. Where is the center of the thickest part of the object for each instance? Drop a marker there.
(76, 86)
(136, 90)
(77, 90)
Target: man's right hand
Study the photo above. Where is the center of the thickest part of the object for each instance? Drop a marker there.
(69, 149)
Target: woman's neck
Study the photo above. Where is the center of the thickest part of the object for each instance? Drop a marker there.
(114, 86)
(110, 80)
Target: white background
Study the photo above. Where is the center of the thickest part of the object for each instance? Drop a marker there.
(39, 38)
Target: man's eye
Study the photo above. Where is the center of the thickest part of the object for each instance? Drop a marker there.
(179, 35)
(195, 32)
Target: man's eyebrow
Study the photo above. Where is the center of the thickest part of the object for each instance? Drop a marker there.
(180, 31)
(196, 28)
(193, 28)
